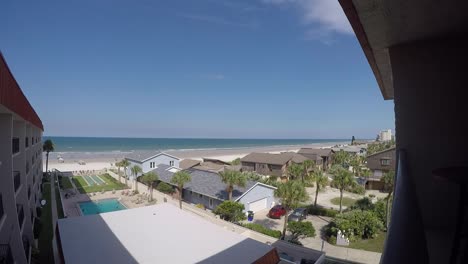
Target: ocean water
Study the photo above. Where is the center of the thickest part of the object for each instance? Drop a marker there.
(103, 144)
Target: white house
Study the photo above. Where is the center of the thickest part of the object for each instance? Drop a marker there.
(149, 160)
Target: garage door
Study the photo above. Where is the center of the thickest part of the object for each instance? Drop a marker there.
(258, 205)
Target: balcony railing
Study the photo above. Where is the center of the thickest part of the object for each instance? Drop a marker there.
(26, 246)
(5, 254)
(20, 211)
(17, 180)
(15, 145)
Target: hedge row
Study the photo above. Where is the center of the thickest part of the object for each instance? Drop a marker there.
(261, 229)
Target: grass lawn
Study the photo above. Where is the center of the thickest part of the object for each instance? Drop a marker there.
(45, 237)
(111, 184)
(346, 201)
(65, 183)
(59, 203)
(374, 244)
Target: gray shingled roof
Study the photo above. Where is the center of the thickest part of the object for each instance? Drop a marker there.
(203, 182)
(315, 151)
(141, 156)
(188, 163)
(276, 159)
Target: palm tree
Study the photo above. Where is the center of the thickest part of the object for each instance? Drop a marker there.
(125, 163)
(388, 179)
(343, 179)
(295, 171)
(308, 166)
(291, 194)
(149, 178)
(135, 171)
(118, 164)
(341, 158)
(321, 180)
(180, 178)
(232, 178)
(48, 147)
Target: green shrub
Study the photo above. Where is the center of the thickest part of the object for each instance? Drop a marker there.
(261, 229)
(165, 188)
(230, 211)
(372, 195)
(201, 206)
(363, 204)
(301, 230)
(317, 210)
(358, 189)
(379, 209)
(332, 240)
(356, 224)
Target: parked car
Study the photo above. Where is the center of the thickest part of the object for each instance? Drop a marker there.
(276, 211)
(297, 215)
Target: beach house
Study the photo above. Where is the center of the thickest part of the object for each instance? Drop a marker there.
(313, 153)
(274, 164)
(20, 170)
(148, 160)
(206, 188)
(379, 163)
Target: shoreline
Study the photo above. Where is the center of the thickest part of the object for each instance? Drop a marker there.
(105, 159)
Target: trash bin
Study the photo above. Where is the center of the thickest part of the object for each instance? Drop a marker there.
(250, 216)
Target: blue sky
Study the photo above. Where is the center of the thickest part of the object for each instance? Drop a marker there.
(206, 68)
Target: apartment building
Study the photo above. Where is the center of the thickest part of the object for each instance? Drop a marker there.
(20, 169)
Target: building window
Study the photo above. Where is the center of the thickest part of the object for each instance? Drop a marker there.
(191, 193)
(200, 196)
(211, 202)
(15, 145)
(26, 142)
(171, 163)
(385, 162)
(152, 165)
(32, 141)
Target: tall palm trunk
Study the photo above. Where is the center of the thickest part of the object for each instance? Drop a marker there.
(151, 192)
(386, 210)
(136, 183)
(316, 193)
(118, 172)
(180, 197)
(285, 224)
(126, 183)
(230, 188)
(341, 200)
(47, 163)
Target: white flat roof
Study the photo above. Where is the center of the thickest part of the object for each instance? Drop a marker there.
(154, 234)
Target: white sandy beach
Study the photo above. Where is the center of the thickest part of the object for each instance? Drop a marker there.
(101, 160)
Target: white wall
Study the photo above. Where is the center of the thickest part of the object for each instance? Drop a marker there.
(160, 159)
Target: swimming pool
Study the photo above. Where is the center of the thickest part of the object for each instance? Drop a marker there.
(101, 206)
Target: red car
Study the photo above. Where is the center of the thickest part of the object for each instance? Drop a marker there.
(277, 211)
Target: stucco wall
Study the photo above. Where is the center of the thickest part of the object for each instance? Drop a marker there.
(257, 193)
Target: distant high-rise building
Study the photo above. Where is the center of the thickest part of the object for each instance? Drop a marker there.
(385, 135)
(20, 170)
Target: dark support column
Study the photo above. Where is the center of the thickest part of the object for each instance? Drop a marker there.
(431, 110)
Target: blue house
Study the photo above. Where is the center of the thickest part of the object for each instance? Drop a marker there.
(207, 188)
